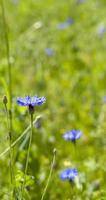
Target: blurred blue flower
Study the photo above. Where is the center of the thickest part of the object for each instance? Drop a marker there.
(65, 24)
(72, 135)
(104, 99)
(31, 101)
(80, 1)
(49, 51)
(69, 174)
(101, 30)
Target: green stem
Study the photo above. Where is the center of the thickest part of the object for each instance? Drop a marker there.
(28, 151)
(9, 71)
(75, 150)
(50, 173)
(7, 115)
(8, 59)
(17, 140)
(8, 111)
(72, 191)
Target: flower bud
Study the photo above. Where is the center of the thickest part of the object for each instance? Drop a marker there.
(5, 100)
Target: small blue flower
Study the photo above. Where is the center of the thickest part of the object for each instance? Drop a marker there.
(104, 99)
(49, 51)
(101, 30)
(31, 101)
(69, 174)
(80, 1)
(65, 24)
(72, 135)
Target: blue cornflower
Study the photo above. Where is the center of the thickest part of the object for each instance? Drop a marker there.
(69, 174)
(72, 135)
(104, 99)
(49, 51)
(65, 24)
(101, 30)
(80, 1)
(31, 101)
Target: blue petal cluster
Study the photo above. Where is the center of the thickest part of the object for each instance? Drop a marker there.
(31, 101)
(72, 135)
(65, 24)
(69, 174)
(80, 1)
(101, 30)
(49, 51)
(104, 99)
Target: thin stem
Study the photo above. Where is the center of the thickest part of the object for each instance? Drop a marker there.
(72, 191)
(8, 111)
(17, 140)
(30, 140)
(75, 149)
(8, 58)
(28, 151)
(50, 173)
(7, 115)
(72, 195)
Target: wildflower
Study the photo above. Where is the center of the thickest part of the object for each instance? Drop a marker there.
(31, 102)
(69, 174)
(72, 135)
(65, 24)
(49, 51)
(101, 30)
(80, 1)
(104, 99)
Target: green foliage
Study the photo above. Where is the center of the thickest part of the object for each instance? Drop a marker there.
(73, 81)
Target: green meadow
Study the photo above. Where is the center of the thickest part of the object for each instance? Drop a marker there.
(55, 49)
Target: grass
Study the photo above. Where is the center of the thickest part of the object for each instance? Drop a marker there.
(73, 82)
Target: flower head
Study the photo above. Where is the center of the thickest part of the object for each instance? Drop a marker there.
(72, 135)
(80, 1)
(69, 174)
(49, 51)
(104, 99)
(65, 24)
(101, 30)
(31, 101)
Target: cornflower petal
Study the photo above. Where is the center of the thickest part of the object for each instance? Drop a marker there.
(69, 174)
(72, 135)
(25, 101)
(49, 51)
(31, 101)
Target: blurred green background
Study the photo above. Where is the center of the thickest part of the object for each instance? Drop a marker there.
(57, 50)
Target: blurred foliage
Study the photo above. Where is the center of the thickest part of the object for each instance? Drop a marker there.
(72, 78)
